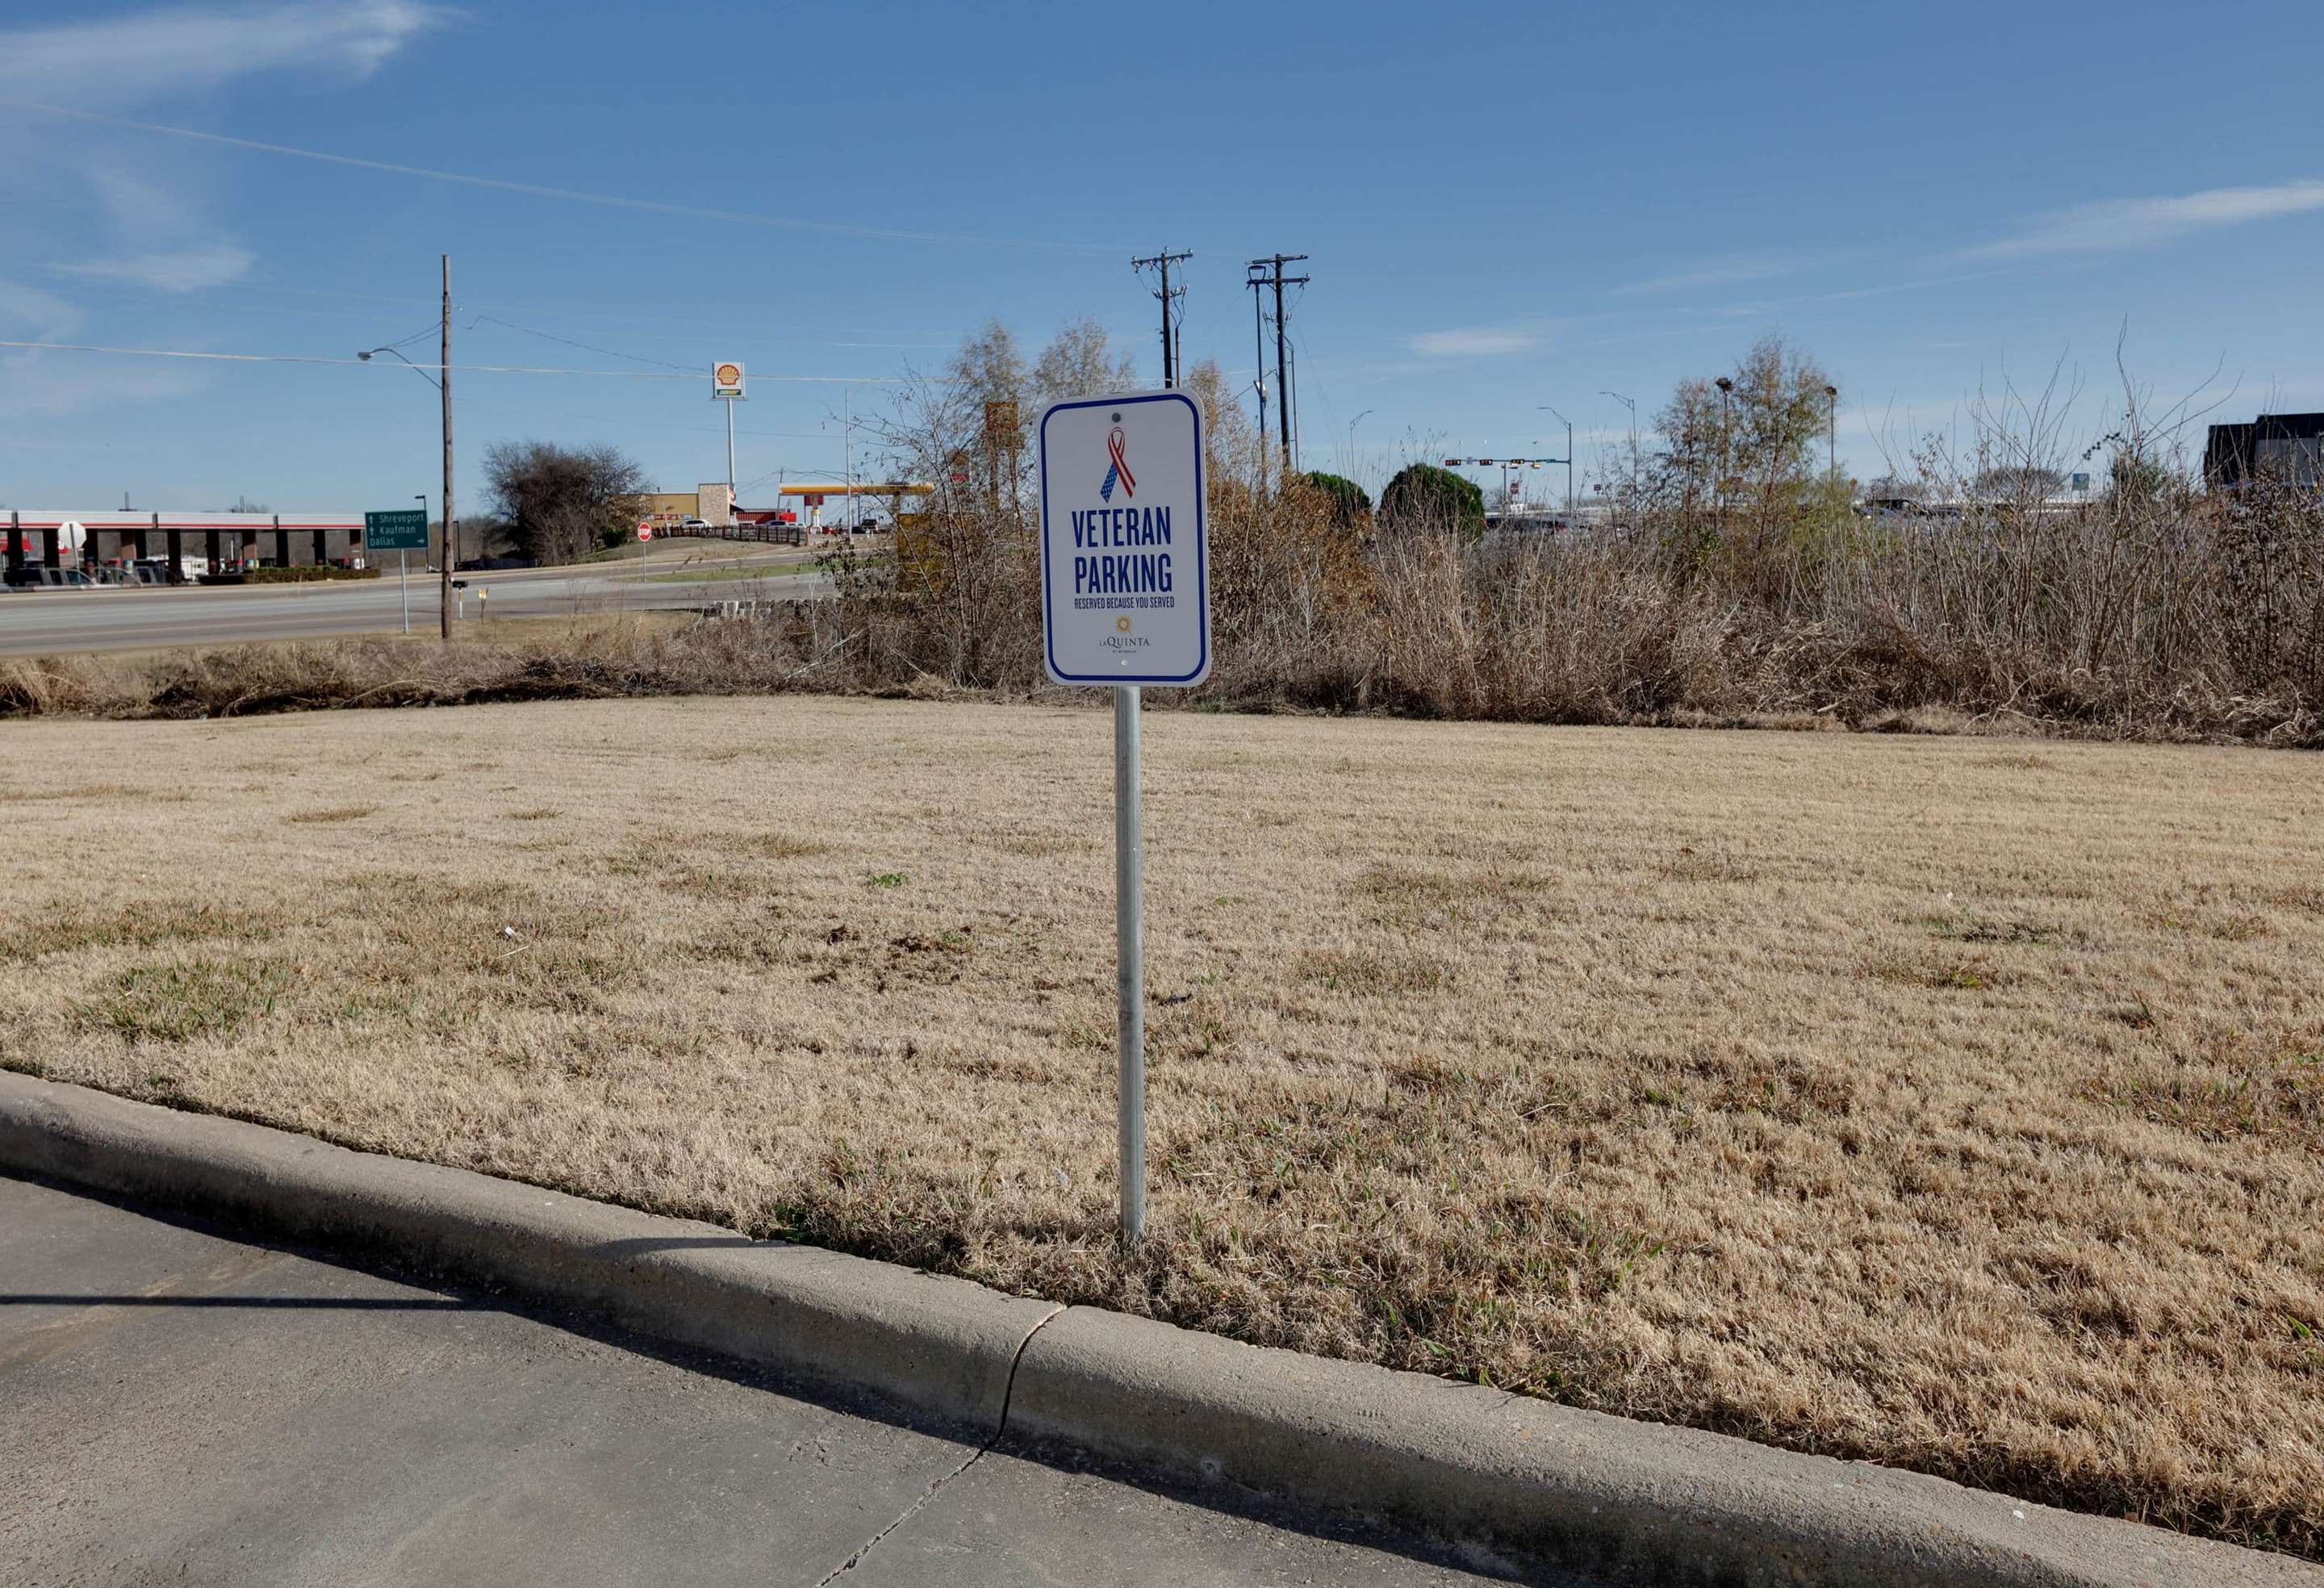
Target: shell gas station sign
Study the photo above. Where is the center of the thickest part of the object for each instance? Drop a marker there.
(726, 380)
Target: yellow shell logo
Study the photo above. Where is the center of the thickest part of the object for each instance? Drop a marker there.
(1121, 626)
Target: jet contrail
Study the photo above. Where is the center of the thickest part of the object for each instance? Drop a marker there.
(651, 205)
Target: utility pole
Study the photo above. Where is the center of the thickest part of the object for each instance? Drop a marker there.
(1274, 264)
(1166, 259)
(444, 380)
(1831, 420)
(1258, 375)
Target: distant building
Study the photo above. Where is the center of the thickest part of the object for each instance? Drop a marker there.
(2287, 447)
(666, 510)
(193, 542)
(712, 503)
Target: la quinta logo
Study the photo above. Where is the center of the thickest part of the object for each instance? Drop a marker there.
(1121, 639)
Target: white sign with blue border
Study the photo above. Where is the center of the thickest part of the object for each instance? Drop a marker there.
(1125, 543)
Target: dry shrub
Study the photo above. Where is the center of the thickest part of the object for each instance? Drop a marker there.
(2177, 615)
(588, 661)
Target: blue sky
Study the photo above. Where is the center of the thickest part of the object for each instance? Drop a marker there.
(1504, 206)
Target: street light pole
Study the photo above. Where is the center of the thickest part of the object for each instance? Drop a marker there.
(442, 380)
(1568, 423)
(1632, 405)
(1726, 442)
(1832, 419)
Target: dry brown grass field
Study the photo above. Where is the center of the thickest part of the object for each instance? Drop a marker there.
(1957, 1104)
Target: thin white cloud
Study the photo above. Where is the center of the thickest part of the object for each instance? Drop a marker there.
(1885, 289)
(187, 270)
(164, 238)
(1476, 341)
(1728, 269)
(174, 49)
(497, 184)
(2139, 223)
(44, 314)
(33, 386)
(140, 206)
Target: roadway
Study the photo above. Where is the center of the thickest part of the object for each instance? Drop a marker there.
(180, 1406)
(38, 622)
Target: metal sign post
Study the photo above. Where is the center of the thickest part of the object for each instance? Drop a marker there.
(402, 532)
(726, 385)
(1129, 956)
(1126, 603)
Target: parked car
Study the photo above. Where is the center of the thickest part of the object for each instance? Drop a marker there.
(46, 579)
(693, 523)
(155, 570)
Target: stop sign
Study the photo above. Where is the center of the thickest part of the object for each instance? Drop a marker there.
(645, 531)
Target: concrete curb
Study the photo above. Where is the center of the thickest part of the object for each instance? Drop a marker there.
(1633, 1501)
(943, 1346)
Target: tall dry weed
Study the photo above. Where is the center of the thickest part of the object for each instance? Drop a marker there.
(2172, 615)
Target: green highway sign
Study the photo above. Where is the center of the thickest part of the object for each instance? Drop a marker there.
(405, 530)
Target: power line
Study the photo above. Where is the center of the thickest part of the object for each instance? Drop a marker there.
(1168, 294)
(627, 317)
(425, 331)
(737, 332)
(487, 369)
(541, 191)
(482, 319)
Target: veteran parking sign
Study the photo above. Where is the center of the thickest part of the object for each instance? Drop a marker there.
(1125, 549)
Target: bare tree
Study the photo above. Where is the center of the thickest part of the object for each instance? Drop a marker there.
(988, 367)
(1231, 439)
(1081, 361)
(561, 503)
(2010, 482)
